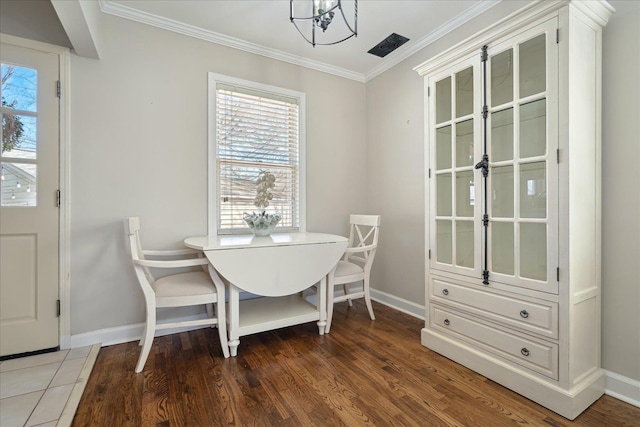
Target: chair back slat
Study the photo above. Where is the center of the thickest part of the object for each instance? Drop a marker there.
(363, 233)
(370, 220)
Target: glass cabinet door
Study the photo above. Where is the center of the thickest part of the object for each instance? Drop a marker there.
(454, 106)
(519, 85)
(522, 143)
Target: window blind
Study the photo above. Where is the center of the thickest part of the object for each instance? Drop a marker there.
(255, 131)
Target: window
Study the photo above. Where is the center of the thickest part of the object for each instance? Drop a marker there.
(254, 128)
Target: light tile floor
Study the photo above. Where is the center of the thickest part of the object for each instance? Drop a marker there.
(44, 390)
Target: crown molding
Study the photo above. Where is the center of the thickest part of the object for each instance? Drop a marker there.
(439, 32)
(598, 12)
(127, 12)
(132, 14)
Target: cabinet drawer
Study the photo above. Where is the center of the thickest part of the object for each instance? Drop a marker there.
(539, 317)
(537, 355)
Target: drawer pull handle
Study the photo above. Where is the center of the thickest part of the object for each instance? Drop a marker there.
(524, 314)
(445, 291)
(446, 322)
(524, 351)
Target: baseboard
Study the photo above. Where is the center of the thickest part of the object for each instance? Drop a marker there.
(617, 386)
(403, 305)
(622, 388)
(127, 333)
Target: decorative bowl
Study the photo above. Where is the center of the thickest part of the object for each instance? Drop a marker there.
(261, 224)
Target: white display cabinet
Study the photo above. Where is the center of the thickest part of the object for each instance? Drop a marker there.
(513, 203)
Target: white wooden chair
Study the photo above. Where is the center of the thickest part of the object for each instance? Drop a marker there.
(176, 290)
(355, 265)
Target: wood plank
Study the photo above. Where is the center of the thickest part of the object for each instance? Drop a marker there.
(363, 373)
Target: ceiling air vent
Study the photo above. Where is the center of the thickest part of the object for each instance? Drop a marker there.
(388, 45)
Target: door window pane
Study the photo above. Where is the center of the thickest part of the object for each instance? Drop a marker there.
(464, 92)
(18, 184)
(18, 181)
(502, 192)
(533, 129)
(532, 66)
(19, 136)
(464, 143)
(502, 78)
(464, 244)
(443, 100)
(533, 190)
(465, 194)
(533, 251)
(502, 135)
(502, 247)
(443, 148)
(444, 240)
(443, 197)
(19, 88)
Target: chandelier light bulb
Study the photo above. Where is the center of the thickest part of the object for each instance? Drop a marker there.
(323, 13)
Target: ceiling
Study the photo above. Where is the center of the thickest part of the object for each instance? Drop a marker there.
(263, 27)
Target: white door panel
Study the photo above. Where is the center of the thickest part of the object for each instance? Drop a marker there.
(29, 213)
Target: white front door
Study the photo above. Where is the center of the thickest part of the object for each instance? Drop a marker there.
(29, 208)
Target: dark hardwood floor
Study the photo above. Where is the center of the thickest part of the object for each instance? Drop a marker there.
(363, 373)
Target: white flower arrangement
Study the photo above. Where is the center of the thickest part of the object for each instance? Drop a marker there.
(262, 223)
(266, 182)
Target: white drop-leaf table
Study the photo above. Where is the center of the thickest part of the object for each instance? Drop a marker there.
(276, 267)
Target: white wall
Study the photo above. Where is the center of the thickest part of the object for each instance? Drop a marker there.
(139, 147)
(395, 184)
(621, 191)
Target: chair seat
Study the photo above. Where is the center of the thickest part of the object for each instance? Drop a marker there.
(345, 268)
(175, 286)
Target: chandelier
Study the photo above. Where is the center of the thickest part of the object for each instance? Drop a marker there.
(319, 14)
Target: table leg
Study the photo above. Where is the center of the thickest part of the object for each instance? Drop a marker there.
(234, 319)
(322, 304)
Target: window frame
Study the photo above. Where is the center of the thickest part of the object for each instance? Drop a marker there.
(213, 202)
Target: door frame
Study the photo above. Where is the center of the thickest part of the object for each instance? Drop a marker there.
(64, 261)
